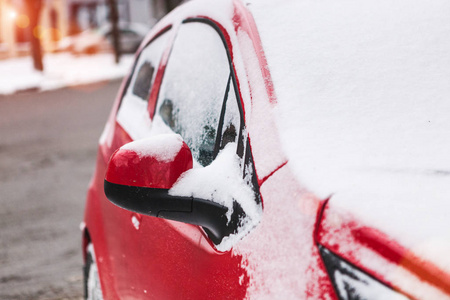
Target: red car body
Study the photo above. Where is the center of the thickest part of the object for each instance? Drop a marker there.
(144, 257)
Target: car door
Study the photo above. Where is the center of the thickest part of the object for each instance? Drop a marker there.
(199, 100)
(119, 266)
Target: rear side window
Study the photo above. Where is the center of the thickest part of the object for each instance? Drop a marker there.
(132, 114)
(143, 81)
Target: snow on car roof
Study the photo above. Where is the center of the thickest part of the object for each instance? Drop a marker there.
(363, 105)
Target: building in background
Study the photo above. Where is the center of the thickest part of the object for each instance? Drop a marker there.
(60, 18)
(14, 23)
(84, 14)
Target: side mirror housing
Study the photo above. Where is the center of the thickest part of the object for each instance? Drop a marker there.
(155, 162)
(140, 174)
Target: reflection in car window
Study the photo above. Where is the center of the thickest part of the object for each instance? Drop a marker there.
(127, 32)
(193, 88)
(144, 78)
(133, 115)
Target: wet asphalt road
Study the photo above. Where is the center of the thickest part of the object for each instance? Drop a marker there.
(48, 144)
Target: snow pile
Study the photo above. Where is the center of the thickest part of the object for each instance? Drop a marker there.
(363, 100)
(281, 257)
(60, 70)
(360, 85)
(362, 90)
(163, 147)
(222, 183)
(259, 115)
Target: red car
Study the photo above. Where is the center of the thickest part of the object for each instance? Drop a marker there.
(278, 150)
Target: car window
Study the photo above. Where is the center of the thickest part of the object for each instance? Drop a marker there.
(143, 80)
(199, 100)
(132, 114)
(193, 89)
(128, 32)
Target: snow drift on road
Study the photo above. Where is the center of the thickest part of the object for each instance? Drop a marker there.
(60, 70)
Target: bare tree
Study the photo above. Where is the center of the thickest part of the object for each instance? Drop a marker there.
(114, 15)
(34, 8)
(171, 4)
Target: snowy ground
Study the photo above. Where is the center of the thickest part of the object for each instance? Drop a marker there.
(62, 69)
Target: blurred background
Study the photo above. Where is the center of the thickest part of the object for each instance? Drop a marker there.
(61, 65)
(56, 21)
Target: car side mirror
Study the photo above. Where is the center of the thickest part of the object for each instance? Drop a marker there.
(140, 174)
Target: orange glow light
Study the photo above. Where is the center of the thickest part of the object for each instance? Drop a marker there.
(54, 33)
(38, 32)
(22, 21)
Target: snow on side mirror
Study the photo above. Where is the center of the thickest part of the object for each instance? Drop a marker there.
(138, 178)
(227, 183)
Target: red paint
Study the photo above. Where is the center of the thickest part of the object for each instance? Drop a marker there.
(243, 20)
(95, 227)
(261, 181)
(317, 225)
(399, 255)
(327, 290)
(127, 167)
(119, 137)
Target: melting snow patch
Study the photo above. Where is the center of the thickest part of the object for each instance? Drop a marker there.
(135, 222)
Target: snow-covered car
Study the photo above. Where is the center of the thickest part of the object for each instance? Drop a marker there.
(278, 150)
(97, 40)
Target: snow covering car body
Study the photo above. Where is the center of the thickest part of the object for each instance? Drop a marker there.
(334, 186)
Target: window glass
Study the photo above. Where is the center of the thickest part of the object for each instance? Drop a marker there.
(193, 89)
(231, 120)
(128, 33)
(143, 80)
(133, 115)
